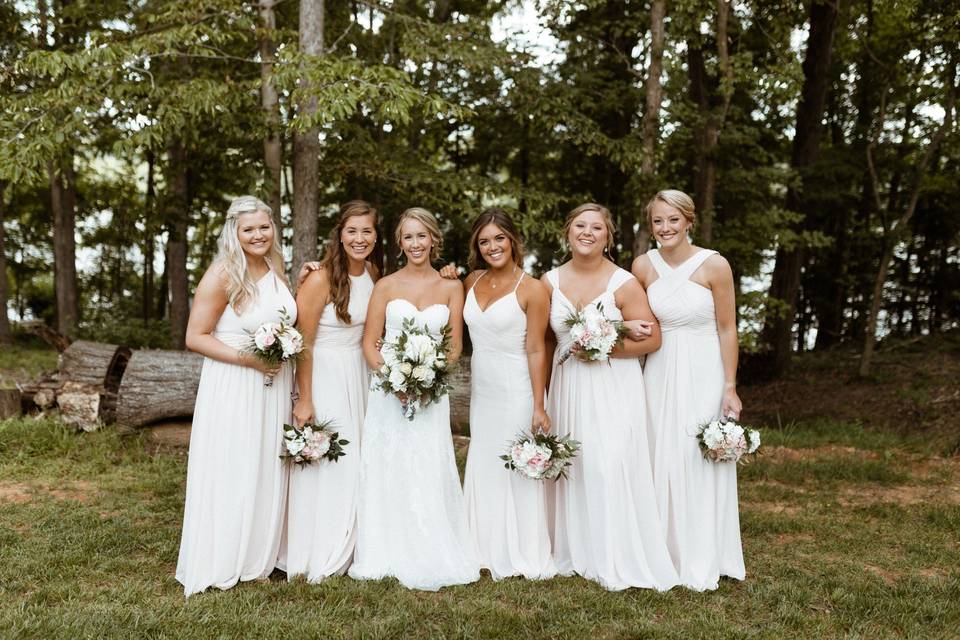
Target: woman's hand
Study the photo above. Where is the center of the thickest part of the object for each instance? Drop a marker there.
(450, 272)
(303, 412)
(580, 353)
(247, 359)
(306, 270)
(540, 421)
(731, 407)
(638, 330)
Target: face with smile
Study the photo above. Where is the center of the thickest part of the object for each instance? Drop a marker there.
(588, 234)
(669, 225)
(255, 233)
(495, 246)
(415, 242)
(358, 236)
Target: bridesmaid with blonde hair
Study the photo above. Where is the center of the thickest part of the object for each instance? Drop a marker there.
(236, 483)
(507, 313)
(332, 380)
(606, 526)
(691, 380)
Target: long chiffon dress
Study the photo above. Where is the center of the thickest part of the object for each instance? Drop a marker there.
(606, 525)
(236, 482)
(507, 514)
(411, 521)
(697, 498)
(322, 508)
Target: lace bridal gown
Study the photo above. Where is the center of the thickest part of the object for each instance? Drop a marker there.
(411, 520)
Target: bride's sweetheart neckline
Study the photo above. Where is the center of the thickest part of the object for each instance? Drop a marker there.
(419, 310)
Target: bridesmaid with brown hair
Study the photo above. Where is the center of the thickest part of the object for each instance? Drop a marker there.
(332, 379)
(507, 313)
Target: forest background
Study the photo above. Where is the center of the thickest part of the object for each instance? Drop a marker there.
(818, 139)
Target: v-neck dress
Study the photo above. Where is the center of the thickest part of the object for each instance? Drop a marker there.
(506, 514)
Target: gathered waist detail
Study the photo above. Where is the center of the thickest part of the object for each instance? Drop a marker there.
(688, 330)
(235, 339)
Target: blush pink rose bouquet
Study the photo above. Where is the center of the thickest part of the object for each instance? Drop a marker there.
(276, 343)
(312, 442)
(540, 456)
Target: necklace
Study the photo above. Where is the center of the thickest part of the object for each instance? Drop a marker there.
(493, 285)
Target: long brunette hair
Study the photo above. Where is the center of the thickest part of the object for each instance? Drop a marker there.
(335, 260)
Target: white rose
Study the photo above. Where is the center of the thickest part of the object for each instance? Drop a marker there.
(397, 380)
(295, 446)
(754, 441)
(406, 368)
(291, 342)
(416, 345)
(419, 372)
(429, 378)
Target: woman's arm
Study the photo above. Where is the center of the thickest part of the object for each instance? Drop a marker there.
(549, 337)
(455, 304)
(632, 302)
(720, 277)
(373, 326)
(209, 303)
(312, 297)
(536, 305)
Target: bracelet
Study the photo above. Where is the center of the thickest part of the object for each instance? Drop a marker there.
(729, 385)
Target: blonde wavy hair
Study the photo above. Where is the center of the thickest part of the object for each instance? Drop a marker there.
(231, 260)
(428, 220)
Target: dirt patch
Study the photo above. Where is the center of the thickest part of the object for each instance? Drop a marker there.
(784, 508)
(14, 492)
(889, 577)
(78, 491)
(906, 495)
(786, 454)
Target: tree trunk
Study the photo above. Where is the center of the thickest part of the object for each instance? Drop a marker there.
(178, 206)
(149, 242)
(785, 283)
(898, 227)
(157, 385)
(306, 144)
(270, 103)
(5, 336)
(63, 204)
(651, 115)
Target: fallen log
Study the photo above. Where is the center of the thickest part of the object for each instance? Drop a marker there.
(9, 403)
(158, 385)
(39, 395)
(89, 375)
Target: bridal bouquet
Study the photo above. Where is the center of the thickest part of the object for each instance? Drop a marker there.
(540, 456)
(724, 440)
(593, 333)
(276, 343)
(415, 367)
(312, 442)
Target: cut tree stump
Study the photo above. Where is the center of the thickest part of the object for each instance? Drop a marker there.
(9, 403)
(158, 385)
(90, 374)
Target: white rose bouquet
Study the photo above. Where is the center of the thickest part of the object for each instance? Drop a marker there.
(540, 456)
(312, 442)
(594, 334)
(415, 367)
(724, 440)
(276, 343)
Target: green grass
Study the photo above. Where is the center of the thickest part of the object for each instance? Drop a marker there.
(25, 360)
(836, 545)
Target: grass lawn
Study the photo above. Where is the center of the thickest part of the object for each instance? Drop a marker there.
(847, 533)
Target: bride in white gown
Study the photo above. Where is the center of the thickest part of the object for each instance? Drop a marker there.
(411, 519)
